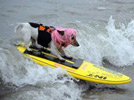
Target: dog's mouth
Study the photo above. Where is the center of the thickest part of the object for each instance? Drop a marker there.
(76, 45)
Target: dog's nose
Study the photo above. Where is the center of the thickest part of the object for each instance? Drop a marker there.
(77, 45)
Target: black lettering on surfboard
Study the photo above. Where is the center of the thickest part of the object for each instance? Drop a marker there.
(104, 78)
(101, 77)
(90, 75)
(97, 76)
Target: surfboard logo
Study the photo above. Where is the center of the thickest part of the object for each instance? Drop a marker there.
(97, 76)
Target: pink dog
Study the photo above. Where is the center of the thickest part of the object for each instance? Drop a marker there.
(57, 38)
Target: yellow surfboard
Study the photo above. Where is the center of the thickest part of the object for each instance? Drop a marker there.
(77, 68)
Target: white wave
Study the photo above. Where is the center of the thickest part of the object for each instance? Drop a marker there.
(115, 43)
(52, 84)
(60, 92)
(118, 48)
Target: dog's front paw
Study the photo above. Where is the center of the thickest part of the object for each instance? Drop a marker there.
(61, 59)
(28, 49)
(68, 57)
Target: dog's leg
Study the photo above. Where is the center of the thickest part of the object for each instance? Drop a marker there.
(55, 51)
(33, 42)
(39, 46)
(58, 54)
(64, 54)
(27, 40)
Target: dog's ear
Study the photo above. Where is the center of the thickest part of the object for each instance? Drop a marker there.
(60, 32)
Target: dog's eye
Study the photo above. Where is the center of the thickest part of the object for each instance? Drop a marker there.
(72, 38)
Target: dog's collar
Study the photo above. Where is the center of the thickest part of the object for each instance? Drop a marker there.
(63, 44)
(52, 28)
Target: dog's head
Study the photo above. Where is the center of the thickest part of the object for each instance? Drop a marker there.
(65, 36)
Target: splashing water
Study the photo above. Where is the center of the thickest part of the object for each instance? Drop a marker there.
(51, 84)
(115, 45)
(118, 48)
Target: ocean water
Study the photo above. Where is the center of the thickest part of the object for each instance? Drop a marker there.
(106, 37)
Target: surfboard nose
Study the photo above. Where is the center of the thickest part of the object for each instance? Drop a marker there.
(100, 74)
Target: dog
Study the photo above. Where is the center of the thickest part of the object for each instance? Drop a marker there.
(56, 38)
